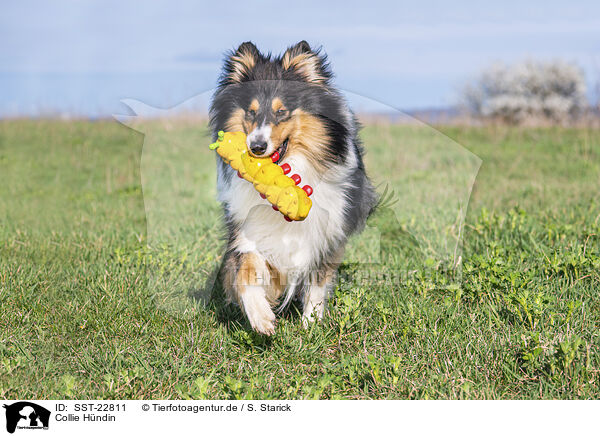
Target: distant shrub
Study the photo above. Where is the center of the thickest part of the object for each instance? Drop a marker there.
(530, 90)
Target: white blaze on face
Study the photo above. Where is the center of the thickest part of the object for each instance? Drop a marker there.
(261, 134)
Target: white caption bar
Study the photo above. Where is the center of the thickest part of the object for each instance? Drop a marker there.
(153, 417)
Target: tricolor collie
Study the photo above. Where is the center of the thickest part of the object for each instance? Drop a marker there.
(287, 104)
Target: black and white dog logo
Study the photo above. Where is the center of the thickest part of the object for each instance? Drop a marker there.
(26, 415)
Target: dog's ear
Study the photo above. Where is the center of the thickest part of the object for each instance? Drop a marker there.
(309, 64)
(240, 63)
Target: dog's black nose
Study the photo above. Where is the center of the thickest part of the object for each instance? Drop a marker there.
(258, 147)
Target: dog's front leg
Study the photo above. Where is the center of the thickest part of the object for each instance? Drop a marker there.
(319, 290)
(316, 296)
(251, 285)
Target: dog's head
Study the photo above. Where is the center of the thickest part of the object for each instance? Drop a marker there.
(284, 104)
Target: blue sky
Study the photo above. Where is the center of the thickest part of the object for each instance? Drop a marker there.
(83, 57)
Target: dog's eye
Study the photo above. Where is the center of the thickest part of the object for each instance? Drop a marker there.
(251, 113)
(281, 112)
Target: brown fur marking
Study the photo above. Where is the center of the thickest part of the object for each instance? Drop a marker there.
(237, 122)
(306, 64)
(248, 269)
(278, 282)
(277, 104)
(309, 137)
(252, 272)
(242, 64)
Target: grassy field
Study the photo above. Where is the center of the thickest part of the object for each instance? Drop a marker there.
(105, 286)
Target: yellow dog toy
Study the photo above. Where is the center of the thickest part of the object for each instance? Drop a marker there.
(268, 178)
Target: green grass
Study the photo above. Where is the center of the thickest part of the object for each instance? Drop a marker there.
(100, 298)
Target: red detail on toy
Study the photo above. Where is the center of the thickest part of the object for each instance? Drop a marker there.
(263, 196)
(275, 157)
(275, 207)
(308, 189)
(296, 178)
(288, 219)
(239, 175)
(286, 168)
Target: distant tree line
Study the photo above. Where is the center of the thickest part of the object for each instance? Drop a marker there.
(528, 91)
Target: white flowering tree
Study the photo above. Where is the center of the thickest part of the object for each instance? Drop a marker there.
(530, 90)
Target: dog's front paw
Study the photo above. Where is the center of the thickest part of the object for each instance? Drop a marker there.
(309, 318)
(258, 310)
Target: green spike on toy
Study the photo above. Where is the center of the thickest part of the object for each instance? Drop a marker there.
(220, 137)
